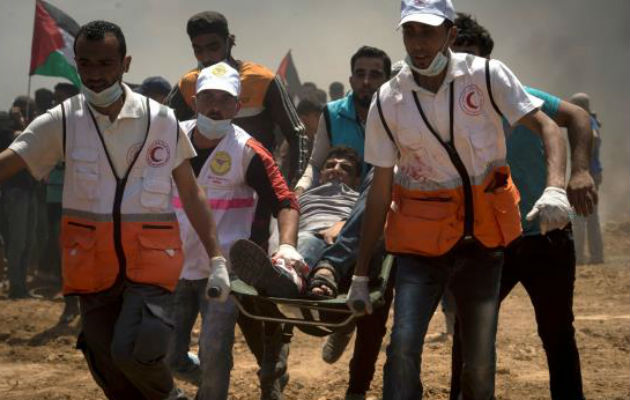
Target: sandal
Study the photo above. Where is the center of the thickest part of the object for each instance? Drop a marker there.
(318, 280)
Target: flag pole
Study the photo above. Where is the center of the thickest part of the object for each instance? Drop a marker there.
(28, 86)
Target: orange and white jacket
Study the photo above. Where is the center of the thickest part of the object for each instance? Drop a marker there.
(436, 203)
(233, 202)
(118, 227)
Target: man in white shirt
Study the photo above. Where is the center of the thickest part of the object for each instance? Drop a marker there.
(120, 239)
(451, 207)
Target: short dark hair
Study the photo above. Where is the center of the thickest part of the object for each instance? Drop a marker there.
(307, 106)
(96, 30)
(373, 52)
(68, 88)
(348, 153)
(207, 22)
(470, 33)
(25, 103)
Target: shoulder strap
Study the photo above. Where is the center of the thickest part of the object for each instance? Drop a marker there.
(489, 86)
(380, 114)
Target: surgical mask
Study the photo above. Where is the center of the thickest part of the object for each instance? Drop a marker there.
(105, 97)
(213, 129)
(439, 62)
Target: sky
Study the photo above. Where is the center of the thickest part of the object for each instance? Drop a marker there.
(560, 46)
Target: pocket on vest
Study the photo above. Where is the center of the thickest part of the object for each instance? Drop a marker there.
(156, 193)
(79, 259)
(426, 226)
(160, 257)
(506, 213)
(85, 173)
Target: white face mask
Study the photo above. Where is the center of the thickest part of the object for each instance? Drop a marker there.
(105, 97)
(213, 129)
(439, 62)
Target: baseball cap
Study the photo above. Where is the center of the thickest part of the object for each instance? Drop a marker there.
(220, 76)
(429, 12)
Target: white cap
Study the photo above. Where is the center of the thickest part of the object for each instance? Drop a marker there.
(220, 76)
(429, 12)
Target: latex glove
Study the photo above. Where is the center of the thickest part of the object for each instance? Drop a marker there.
(218, 286)
(552, 209)
(291, 257)
(359, 294)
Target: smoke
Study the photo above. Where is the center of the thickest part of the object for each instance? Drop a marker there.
(560, 46)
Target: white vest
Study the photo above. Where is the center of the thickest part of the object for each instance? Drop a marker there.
(118, 227)
(233, 202)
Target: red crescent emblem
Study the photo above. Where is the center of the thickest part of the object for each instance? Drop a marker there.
(158, 153)
(471, 100)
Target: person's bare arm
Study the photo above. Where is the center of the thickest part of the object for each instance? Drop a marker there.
(377, 204)
(581, 190)
(10, 164)
(288, 226)
(196, 207)
(553, 141)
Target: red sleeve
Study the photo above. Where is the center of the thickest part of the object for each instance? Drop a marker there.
(265, 178)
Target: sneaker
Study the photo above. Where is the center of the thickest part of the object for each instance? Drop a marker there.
(70, 311)
(254, 267)
(335, 345)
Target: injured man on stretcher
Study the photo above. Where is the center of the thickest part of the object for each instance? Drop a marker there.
(324, 209)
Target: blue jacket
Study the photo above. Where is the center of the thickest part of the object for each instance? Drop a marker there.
(343, 125)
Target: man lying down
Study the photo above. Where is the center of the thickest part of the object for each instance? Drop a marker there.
(324, 211)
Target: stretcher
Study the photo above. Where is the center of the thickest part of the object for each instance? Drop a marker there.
(317, 317)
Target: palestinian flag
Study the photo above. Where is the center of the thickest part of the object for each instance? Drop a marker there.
(289, 75)
(52, 51)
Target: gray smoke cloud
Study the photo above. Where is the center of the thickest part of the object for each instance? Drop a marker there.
(560, 46)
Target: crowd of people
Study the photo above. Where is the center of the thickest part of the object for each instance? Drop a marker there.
(141, 203)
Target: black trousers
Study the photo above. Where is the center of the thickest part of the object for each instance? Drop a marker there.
(545, 266)
(124, 337)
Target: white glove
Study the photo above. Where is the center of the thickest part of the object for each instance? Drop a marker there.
(552, 208)
(358, 295)
(218, 286)
(292, 258)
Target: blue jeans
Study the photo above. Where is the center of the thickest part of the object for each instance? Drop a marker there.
(473, 275)
(311, 246)
(344, 252)
(188, 300)
(20, 207)
(215, 349)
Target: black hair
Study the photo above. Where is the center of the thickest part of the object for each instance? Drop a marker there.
(25, 103)
(68, 88)
(373, 52)
(44, 99)
(348, 153)
(470, 33)
(96, 30)
(207, 22)
(307, 106)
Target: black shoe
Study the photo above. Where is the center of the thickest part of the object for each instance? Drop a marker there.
(253, 266)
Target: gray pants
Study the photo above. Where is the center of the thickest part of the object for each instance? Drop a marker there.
(124, 338)
(587, 229)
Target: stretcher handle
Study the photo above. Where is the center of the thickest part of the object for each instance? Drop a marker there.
(214, 292)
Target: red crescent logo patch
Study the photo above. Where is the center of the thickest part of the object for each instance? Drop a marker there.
(471, 100)
(158, 153)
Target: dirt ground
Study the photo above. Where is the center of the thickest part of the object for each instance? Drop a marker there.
(38, 360)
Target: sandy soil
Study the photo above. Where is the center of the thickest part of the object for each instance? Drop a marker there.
(38, 359)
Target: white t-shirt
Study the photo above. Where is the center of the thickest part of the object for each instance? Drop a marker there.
(41, 143)
(508, 93)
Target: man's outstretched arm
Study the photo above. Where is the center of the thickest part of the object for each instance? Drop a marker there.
(10, 164)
